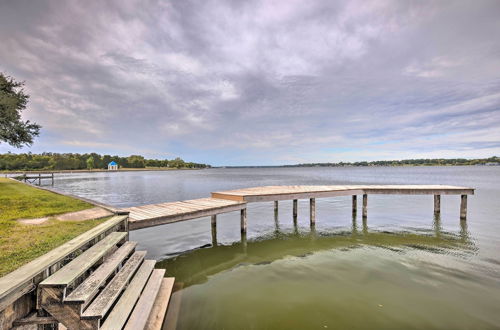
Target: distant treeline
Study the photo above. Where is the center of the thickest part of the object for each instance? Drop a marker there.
(412, 162)
(71, 161)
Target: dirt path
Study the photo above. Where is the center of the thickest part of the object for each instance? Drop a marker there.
(89, 214)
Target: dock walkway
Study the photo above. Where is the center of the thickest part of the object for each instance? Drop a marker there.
(274, 193)
(163, 213)
(236, 200)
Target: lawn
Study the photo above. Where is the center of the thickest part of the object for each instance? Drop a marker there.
(21, 243)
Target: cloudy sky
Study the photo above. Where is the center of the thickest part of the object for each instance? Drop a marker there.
(258, 82)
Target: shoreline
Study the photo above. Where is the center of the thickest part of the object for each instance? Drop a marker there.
(5, 172)
(101, 170)
(350, 166)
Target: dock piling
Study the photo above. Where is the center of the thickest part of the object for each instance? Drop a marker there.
(276, 211)
(437, 225)
(437, 204)
(312, 210)
(365, 205)
(244, 242)
(354, 204)
(365, 225)
(214, 230)
(463, 207)
(464, 232)
(243, 220)
(295, 206)
(354, 225)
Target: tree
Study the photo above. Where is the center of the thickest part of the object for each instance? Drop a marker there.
(177, 163)
(106, 159)
(13, 101)
(136, 161)
(71, 161)
(90, 162)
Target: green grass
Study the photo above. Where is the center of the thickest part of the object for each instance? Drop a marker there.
(20, 243)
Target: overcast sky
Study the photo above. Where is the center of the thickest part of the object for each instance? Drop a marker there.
(258, 82)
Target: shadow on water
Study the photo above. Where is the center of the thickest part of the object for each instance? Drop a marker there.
(195, 266)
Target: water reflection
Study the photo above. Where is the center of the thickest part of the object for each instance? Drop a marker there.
(436, 224)
(464, 232)
(195, 266)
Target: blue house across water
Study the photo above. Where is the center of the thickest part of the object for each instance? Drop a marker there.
(112, 166)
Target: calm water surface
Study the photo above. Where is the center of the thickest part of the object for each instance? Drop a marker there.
(400, 269)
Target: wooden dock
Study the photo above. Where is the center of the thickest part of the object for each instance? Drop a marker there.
(277, 193)
(236, 200)
(33, 178)
(159, 214)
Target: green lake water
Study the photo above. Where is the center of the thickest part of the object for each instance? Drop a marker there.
(402, 268)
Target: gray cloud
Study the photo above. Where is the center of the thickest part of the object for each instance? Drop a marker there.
(259, 82)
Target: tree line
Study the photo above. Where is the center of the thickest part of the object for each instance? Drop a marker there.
(412, 162)
(74, 161)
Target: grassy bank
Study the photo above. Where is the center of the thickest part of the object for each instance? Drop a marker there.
(20, 243)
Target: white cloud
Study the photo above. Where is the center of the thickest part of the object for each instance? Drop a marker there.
(298, 80)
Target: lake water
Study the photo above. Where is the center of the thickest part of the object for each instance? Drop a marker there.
(401, 269)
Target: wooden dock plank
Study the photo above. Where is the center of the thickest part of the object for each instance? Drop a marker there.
(174, 307)
(145, 211)
(182, 216)
(179, 208)
(209, 202)
(119, 315)
(69, 273)
(157, 214)
(140, 315)
(157, 315)
(89, 288)
(99, 307)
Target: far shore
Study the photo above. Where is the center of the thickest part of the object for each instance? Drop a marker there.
(101, 170)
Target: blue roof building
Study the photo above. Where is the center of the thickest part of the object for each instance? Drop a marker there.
(112, 166)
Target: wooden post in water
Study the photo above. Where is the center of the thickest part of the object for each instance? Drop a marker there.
(463, 207)
(295, 210)
(243, 221)
(354, 224)
(354, 204)
(214, 230)
(437, 204)
(244, 242)
(365, 205)
(276, 211)
(312, 211)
